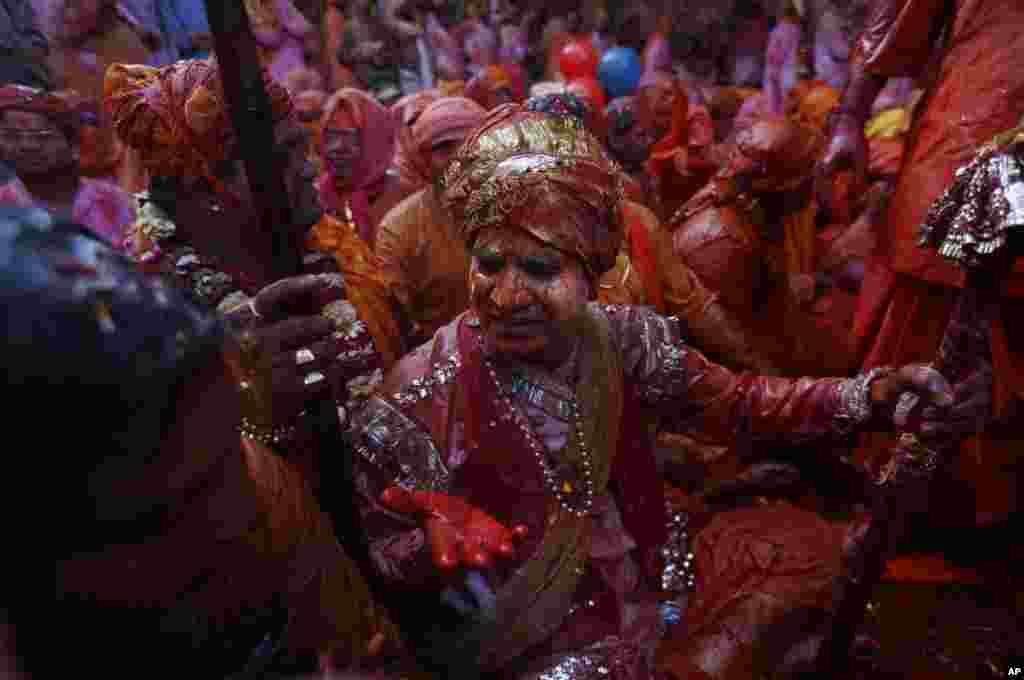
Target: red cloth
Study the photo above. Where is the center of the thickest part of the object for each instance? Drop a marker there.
(977, 93)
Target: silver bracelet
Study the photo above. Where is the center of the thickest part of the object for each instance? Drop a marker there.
(855, 406)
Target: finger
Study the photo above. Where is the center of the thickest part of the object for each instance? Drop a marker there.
(520, 532)
(293, 333)
(397, 499)
(930, 384)
(444, 543)
(376, 645)
(315, 356)
(283, 298)
(474, 555)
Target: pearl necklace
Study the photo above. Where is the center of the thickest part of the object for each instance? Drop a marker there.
(562, 490)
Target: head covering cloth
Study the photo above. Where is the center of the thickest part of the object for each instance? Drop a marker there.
(449, 119)
(411, 106)
(484, 87)
(377, 127)
(543, 174)
(653, 90)
(813, 103)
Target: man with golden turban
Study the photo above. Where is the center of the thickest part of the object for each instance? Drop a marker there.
(511, 453)
(40, 135)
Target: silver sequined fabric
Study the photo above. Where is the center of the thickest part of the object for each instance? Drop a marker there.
(972, 219)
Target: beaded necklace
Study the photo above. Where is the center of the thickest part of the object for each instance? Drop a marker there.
(562, 479)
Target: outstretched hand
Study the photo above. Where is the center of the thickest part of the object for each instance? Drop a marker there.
(459, 533)
(946, 411)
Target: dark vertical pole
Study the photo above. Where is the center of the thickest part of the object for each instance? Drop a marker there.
(242, 75)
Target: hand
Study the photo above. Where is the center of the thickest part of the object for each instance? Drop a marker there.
(924, 383)
(847, 151)
(288, 351)
(459, 533)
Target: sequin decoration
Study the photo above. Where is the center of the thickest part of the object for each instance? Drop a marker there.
(855, 400)
(972, 219)
(419, 389)
(678, 575)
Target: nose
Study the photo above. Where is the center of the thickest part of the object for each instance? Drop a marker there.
(511, 291)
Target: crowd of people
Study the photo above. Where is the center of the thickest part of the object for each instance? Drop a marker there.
(608, 314)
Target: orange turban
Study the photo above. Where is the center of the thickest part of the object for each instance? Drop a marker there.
(543, 174)
(176, 116)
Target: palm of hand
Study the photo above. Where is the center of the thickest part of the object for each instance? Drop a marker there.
(460, 534)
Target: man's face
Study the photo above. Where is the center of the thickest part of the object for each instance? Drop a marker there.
(657, 101)
(526, 294)
(343, 146)
(33, 145)
(292, 142)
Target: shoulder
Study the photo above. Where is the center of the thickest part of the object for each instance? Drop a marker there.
(431, 366)
(630, 324)
(406, 211)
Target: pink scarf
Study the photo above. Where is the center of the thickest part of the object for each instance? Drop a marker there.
(377, 126)
(449, 119)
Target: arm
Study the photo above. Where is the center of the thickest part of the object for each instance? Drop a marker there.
(897, 38)
(690, 392)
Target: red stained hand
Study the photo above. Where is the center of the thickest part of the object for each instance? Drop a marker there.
(460, 534)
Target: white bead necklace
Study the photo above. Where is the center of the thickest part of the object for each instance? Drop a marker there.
(563, 489)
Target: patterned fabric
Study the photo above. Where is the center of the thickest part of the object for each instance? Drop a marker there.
(543, 174)
(176, 116)
(449, 119)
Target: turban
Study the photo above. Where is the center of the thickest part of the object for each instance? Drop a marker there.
(815, 106)
(449, 119)
(411, 106)
(543, 174)
(485, 87)
(176, 116)
(65, 108)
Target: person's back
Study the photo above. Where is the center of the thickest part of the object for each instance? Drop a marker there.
(177, 542)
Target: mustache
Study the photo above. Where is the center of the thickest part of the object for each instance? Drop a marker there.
(527, 314)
